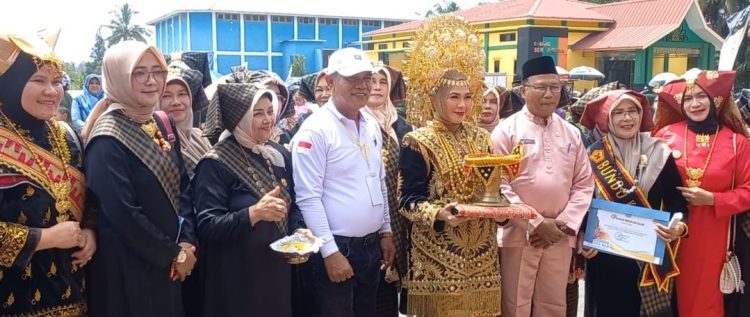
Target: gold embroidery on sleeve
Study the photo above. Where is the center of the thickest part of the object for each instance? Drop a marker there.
(12, 239)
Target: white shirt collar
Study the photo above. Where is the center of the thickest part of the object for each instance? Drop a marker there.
(339, 116)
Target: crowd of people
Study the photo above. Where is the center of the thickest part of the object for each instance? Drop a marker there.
(156, 197)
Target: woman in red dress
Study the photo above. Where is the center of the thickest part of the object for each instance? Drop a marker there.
(703, 126)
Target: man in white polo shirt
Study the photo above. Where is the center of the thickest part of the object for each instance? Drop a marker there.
(340, 189)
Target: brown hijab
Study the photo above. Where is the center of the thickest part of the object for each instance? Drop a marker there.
(117, 66)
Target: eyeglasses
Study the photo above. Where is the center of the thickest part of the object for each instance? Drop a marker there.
(143, 76)
(619, 114)
(540, 89)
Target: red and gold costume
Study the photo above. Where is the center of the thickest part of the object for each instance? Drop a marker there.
(710, 161)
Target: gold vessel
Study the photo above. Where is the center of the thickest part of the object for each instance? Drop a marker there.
(491, 169)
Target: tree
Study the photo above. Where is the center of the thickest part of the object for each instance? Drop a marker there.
(94, 66)
(122, 29)
(445, 7)
(76, 76)
(298, 66)
(716, 13)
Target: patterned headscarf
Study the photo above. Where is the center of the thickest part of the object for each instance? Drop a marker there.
(229, 105)
(230, 112)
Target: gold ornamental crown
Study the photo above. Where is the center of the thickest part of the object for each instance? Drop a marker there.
(40, 48)
(443, 43)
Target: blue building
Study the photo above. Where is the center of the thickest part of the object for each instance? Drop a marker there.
(267, 39)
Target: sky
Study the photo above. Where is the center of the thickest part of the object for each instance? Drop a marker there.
(80, 20)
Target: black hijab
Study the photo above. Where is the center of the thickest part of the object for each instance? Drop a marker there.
(12, 83)
(707, 126)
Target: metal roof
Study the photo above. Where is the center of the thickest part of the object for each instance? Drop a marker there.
(515, 9)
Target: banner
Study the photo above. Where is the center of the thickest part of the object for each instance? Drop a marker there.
(737, 24)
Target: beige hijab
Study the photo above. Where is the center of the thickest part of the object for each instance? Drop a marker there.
(245, 126)
(194, 145)
(117, 67)
(643, 146)
(386, 114)
(491, 126)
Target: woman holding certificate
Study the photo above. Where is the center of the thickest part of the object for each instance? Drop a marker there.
(454, 269)
(702, 125)
(644, 174)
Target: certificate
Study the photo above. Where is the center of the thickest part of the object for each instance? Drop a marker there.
(625, 230)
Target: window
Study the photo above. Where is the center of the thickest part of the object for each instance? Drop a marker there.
(383, 46)
(328, 21)
(368, 46)
(371, 23)
(282, 19)
(508, 37)
(349, 22)
(391, 23)
(228, 16)
(255, 17)
(305, 20)
(406, 44)
(496, 66)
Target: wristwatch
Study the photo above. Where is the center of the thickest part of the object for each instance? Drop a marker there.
(181, 257)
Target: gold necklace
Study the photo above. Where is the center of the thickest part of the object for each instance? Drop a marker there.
(694, 174)
(280, 225)
(56, 136)
(702, 139)
(153, 132)
(450, 145)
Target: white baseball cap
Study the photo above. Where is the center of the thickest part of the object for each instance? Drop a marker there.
(348, 62)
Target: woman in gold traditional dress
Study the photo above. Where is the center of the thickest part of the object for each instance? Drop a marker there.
(454, 268)
(45, 235)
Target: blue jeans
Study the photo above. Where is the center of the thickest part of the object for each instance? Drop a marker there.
(356, 296)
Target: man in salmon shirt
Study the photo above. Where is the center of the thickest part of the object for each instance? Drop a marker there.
(555, 179)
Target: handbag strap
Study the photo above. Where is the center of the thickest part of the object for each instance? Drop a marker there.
(166, 124)
(732, 231)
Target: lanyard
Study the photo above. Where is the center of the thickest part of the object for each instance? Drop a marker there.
(361, 144)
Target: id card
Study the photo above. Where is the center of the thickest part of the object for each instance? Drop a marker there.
(373, 187)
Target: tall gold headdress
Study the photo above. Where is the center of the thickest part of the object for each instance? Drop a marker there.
(443, 43)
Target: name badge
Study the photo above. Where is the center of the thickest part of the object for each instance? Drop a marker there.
(373, 187)
(528, 141)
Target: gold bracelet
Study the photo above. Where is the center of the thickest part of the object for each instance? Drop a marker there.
(386, 235)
